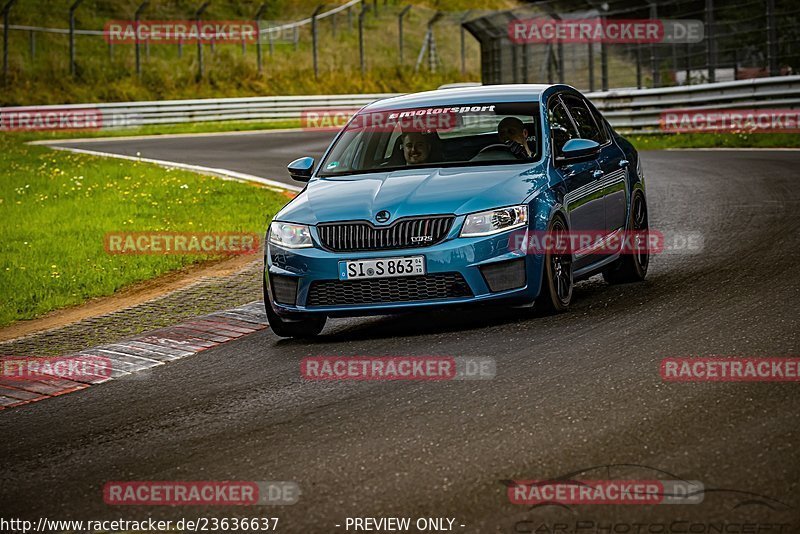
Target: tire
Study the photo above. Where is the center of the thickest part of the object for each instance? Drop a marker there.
(557, 281)
(632, 266)
(302, 327)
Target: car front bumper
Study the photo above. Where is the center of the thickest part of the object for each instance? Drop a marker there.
(483, 263)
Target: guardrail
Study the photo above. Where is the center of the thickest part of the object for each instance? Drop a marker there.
(640, 109)
(628, 110)
(127, 114)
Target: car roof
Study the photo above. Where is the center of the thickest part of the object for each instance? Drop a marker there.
(484, 94)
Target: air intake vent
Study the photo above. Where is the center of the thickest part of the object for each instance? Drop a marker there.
(284, 289)
(402, 289)
(504, 275)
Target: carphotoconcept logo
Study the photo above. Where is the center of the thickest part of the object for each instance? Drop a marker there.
(633, 485)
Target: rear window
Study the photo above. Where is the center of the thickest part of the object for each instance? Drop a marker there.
(458, 135)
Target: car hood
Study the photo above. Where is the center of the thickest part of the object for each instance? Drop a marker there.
(411, 192)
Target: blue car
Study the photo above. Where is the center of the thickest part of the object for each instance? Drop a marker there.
(432, 199)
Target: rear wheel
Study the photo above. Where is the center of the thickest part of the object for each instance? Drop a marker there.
(556, 293)
(632, 266)
(306, 326)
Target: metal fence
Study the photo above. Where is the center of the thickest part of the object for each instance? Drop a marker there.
(627, 110)
(82, 54)
(741, 39)
(269, 32)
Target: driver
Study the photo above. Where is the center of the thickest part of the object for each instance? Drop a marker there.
(514, 135)
(416, 147)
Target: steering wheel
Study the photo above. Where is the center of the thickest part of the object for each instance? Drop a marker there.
(497, 147)
(510, 147)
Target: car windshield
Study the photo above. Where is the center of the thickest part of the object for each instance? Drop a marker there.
(459, 135)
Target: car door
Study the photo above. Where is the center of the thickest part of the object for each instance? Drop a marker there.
(610, 159)
(583, 200)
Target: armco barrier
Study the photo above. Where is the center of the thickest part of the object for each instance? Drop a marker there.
(639, 109)
(627, 110)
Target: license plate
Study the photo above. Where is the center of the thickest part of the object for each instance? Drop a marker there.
(382, 268)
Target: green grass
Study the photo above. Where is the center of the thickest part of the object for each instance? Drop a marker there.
(715, 140)
(56, 208)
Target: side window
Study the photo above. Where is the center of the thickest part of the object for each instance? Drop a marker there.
(601, 123)
(561, 127)
(587, 127)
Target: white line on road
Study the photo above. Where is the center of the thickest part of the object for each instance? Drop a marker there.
(220, 173)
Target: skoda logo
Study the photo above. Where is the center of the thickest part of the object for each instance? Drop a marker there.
(382, 216)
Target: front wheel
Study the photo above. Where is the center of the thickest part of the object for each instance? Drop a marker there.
(556, 293)
(307, 326)
(632, 266)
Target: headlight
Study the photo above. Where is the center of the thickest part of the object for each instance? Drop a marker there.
(289, 235)
(494, 221)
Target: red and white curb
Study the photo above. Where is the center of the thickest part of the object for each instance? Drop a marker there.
(142, 352)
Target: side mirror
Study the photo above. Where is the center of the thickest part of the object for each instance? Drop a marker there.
(579, 148)
(301, 169)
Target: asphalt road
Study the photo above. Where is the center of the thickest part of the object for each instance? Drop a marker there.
(572, 391)
(260, 154)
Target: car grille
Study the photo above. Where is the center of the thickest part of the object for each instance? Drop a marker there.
(400, 289)
(403, 233)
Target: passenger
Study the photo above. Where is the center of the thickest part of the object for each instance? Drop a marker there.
(512, 133)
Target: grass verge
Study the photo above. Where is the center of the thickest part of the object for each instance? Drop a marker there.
(57, 207)
(714, 140)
